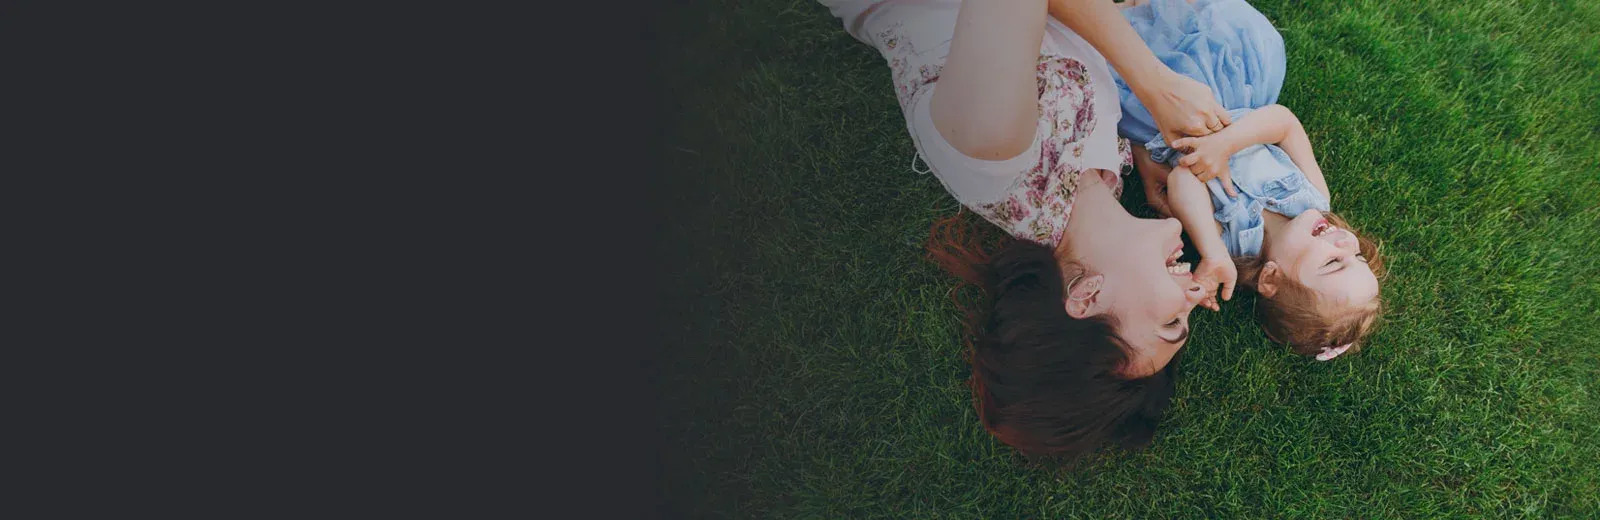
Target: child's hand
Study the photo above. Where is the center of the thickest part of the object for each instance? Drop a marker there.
(1214, 271)
(1207, 157)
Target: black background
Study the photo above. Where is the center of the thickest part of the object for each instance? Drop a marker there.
(335, 259)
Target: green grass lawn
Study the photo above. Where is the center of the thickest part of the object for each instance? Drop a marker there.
(813, 366)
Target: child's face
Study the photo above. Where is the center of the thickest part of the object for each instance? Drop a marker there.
(1154, 177)
(1325, 259)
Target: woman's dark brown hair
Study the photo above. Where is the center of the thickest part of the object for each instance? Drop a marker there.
(1043, 383)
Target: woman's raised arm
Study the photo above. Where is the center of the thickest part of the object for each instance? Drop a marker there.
(1181, 106)
(986, 102)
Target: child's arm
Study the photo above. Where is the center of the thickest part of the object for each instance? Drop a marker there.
(1272, 124)
(1298, 145)
(1190, 202)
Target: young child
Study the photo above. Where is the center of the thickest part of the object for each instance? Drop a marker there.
(1251, 196)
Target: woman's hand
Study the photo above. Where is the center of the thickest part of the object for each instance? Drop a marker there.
(1213, 271)
(1207, 156)
(1183, 107)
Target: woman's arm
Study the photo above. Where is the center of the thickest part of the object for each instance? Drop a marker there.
(1181, 106)
(986, 103)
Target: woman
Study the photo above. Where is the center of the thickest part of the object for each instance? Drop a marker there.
(1012, 105)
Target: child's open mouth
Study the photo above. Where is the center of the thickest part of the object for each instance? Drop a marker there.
(1322, 227)
(1174, 267)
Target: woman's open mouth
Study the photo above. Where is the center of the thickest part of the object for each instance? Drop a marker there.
(1174, 267)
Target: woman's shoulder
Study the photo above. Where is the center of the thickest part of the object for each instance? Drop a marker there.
(970, 179)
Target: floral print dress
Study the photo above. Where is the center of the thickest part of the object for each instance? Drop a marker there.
(1030, 196)
(1039, 202)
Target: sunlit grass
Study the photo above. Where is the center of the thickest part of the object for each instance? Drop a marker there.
(813, 368)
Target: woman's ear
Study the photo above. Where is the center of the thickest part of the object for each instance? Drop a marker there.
(1267, 281)
(1083, 297)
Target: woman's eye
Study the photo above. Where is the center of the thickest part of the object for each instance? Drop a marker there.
(1331, 262)
(1174, 321)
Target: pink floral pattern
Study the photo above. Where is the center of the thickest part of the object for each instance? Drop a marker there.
(1040, 200)
(907, 80)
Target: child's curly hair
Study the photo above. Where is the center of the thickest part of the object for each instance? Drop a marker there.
(1292, 316)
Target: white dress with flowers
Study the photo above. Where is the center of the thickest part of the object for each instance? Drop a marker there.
(1030, 195)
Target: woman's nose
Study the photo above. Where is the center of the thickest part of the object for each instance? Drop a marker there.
(1346, 239)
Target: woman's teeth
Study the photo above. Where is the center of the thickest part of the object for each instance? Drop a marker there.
(1322, 227)
(1180, 268)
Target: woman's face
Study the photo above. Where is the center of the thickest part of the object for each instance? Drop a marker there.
(1145, 288)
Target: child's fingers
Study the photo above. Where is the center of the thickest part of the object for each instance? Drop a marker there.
(1227, 184)
(1187, 160)
(1227, 289)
